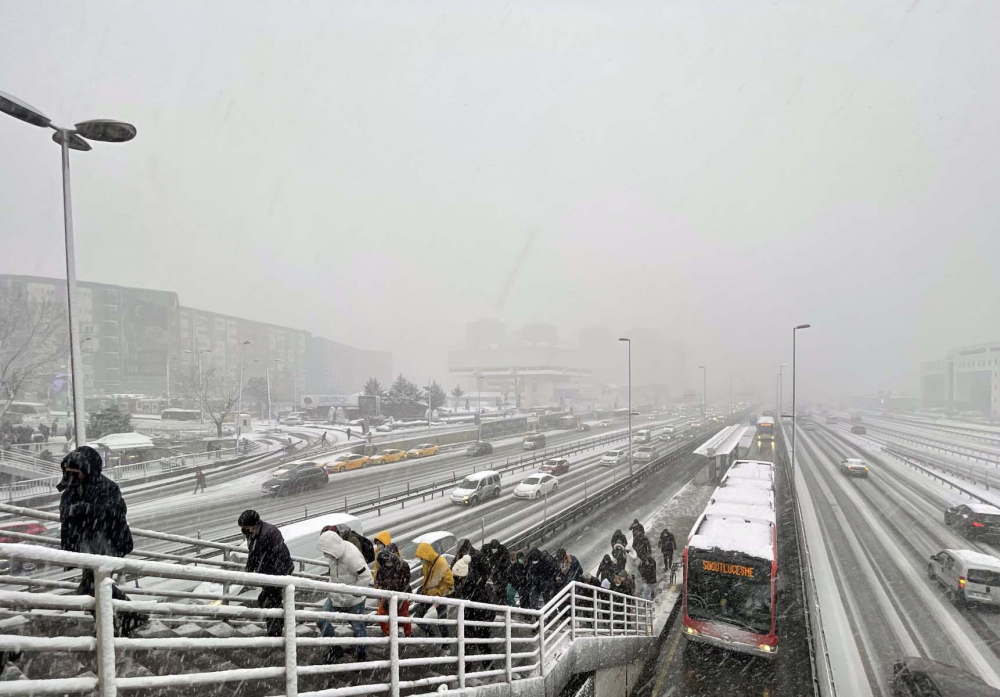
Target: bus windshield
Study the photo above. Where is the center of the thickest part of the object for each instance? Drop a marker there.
(765, 429)
(731, 588)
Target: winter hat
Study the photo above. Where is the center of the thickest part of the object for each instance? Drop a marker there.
(636, 525)
(248, 518)
(461, 567)
(85, 459)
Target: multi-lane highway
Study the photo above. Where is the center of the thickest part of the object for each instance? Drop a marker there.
(878, 534)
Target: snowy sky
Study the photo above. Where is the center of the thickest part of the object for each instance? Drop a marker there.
(370, 171)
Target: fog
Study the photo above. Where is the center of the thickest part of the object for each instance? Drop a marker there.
(381, 174)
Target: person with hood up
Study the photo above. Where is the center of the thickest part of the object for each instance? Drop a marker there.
(393, 575)
(570, 568)
(347, 566)
(618, 538)
(472, 583)
(363, 544)
(543, 577)
(437, 582)
(380, 542)
(517, 580)
(621, 583)
(92, 520)
(498, 561)
(619, 556)
(606, 569)
(640, 543)
(647, 574)
(667, 546)
(269, 555)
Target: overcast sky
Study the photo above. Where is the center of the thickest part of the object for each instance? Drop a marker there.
(370, 171)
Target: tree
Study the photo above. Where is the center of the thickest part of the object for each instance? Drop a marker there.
(110, 419)
(374, 388)
(436, 396)
(215, 394)
(457, 393)
(32, 341)
(403, 392)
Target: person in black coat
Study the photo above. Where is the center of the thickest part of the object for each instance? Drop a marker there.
(667, 546)
(618, 538)
(543, 577)
(92, 520)
(517, 579)
(606, 570)
(498, 560)
(570, 568)
(269, 555)
(472, 576)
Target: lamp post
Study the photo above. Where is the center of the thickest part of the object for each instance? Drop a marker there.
(794, 417)
(267, 378)
(704, 395)
(75, 138)
(201, 382)
(629, 342)
(479, 405)
(239, 399)
(781, 389)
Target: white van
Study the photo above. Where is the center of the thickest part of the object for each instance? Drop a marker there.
(643, 435)
(613, 457)
(477, 488)
(966, 576)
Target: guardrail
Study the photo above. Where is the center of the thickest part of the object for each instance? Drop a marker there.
(22, 460)
(979, 434)
(967, 452)
(523, 642)
(29, 488)
(911, 461)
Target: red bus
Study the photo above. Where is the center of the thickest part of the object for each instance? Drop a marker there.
(731, 568)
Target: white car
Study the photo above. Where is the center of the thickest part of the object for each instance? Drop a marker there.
(292, 421)
(604, 424)
(536, 485)
(644, 453)
(614, 457)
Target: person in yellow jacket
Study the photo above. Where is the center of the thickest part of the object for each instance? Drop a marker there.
(437, 582)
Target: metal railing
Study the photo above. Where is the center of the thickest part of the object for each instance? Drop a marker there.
(963, 451)
(521, 643)
(22, 460)
(29, 488)
(910, 460)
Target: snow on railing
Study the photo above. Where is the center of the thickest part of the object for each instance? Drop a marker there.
(529, 640)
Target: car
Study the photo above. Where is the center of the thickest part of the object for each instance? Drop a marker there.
(966, 575)
(555, 465)
(643, 435)
(666, 436)
(613, 457)
(922, 677)
(604, 424)
(347, 461)
(974, 520)
(652, 417)
(535, 486)
(477, 487)
(808, 426)
(423, 450)
(644, 453)
(292, 421)
(479, 448)
(854, 467)
(583, 427)
(859, 430)
(387, 456)
(831, 419)
(533, 441)
(856, 418)
(25, 527)
(295, 478)
(636, 413)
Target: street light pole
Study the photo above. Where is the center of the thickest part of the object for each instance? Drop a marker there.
(629, 342)
(794, 416)
(239, 399)
(704, 395)
(781, 389)
(76, 138)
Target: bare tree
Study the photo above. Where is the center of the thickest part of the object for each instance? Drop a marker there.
(215, 393)
(32, 341)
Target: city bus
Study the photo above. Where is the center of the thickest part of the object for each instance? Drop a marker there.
(765, 429)
(731, 569)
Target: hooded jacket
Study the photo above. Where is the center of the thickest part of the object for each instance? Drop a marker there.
(618, 538)
(393, 571)
(574, 573)
(667, 542)
(543, 574)
(472, 583)
(268, 552)
(437, 577)
(346, 566)
(497, 560)
(647, 567)
(92, 513)
(607, 568)
(386, 539)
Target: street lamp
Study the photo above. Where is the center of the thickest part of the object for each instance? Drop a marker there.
(794, 419)
(267, 377)
(239, 400)
(781, 389)
(629, 342)
(704, 395)
(74, 138)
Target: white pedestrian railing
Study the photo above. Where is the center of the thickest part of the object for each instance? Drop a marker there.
(519, 642)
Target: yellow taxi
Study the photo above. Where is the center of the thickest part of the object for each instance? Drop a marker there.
(423, 450)
(387, 456)
(347, 461)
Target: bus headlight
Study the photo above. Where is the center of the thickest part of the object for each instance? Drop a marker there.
(764, 647)
(690, 630)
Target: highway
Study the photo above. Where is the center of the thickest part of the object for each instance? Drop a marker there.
(879, 533)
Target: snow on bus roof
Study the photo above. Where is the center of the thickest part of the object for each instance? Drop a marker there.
(742, 483)
(754, 495)
(751, 537)
(747, 511)
(748, 469)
